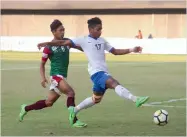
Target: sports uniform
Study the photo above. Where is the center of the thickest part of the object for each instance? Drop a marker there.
(59, 57)
(97, 67)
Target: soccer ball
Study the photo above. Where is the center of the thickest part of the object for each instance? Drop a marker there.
(161, 117)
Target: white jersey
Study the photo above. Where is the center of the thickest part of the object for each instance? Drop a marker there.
(95, 52)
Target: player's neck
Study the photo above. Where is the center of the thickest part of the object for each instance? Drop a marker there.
(55, 38)
(92, 37)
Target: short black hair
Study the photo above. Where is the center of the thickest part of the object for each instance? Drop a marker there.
(94, 21)
(55, 24)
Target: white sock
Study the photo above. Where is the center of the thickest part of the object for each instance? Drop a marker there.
(88, 102)
(124, 93)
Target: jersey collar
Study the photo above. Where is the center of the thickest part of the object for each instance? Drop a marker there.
(92, 37)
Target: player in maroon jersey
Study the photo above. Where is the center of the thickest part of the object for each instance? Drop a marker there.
(59, 57)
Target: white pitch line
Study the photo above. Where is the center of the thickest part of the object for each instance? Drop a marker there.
(24, 68)
(28, 68)
(166, 106)
(168, 101)
(159, 104)
(82, 65)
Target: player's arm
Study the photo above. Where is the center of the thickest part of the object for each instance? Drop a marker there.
(76, 44)
(42, 74)
(57, 43)
(114, 51)
(78, 47)
(45, 55)
(137, 49)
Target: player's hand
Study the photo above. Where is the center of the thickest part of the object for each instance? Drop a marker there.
(40, 45)
(137, 49)
(44, 82)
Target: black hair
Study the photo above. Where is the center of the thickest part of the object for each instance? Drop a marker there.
(94, 21)
(55, 24)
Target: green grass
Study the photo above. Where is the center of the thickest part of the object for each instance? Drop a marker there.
(113, 117)
(81, 57)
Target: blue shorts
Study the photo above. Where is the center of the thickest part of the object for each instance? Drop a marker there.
(99, 80)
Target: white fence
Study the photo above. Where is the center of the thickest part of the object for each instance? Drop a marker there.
(150, 46)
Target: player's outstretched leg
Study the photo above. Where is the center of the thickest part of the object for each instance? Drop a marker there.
(141, 100)
(99, 80)
(125, 93)
(88, 102)
(52, 97)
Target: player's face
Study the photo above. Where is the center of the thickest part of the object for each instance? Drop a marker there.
(59, 33)
(96, 31)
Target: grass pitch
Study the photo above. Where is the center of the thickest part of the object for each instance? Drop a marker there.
(162, 77)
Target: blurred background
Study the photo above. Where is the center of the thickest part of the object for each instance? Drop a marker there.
(121, 18)
(124, 19)
(27, 23)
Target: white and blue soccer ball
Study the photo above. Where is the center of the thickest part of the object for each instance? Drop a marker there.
(161, 117)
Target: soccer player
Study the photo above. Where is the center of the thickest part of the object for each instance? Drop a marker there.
(59, 57)
(94, 47)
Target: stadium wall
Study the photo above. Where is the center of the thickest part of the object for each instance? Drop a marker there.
(150, 46)
(121, 25)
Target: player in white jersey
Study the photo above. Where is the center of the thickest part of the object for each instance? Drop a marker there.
(94, 47)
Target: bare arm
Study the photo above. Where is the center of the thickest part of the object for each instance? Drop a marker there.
(114, 51)
(42, 74)
(56, 43)
(44, 59)
(42, 70)
(78, 47)
(120, 51)
(126, 51)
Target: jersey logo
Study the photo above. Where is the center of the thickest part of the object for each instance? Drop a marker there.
(98, 46)
(54, 48)
(106, 74)
(63, 49)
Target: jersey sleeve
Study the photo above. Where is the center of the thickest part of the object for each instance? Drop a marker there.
(108, 46)
(45, 54)
(78, 42)
(73, 45)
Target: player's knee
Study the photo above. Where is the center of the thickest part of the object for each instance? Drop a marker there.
(71, 93)
(112, 83)
(49, 103)
(97, 99)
